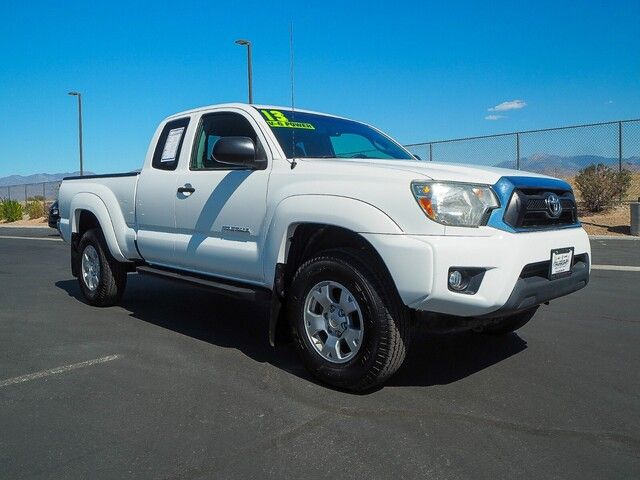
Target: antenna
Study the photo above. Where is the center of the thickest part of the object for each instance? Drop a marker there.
(293, 103)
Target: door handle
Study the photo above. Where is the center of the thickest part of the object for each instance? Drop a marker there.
(186, 189)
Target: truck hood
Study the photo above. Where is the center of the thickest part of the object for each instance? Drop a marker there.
(455, 172)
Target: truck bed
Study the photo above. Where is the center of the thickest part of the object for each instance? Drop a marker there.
(117, 192)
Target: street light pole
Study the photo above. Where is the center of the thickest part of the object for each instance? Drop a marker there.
(79, 95)
(247, 43)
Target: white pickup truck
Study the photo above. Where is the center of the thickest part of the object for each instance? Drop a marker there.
(351, 237)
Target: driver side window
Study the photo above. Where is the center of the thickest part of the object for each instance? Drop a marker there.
(215, 126)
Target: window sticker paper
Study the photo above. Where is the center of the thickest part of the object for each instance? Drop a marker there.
(171, 145)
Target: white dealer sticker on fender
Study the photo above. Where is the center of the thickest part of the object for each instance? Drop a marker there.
(171, 145)
(561, 260)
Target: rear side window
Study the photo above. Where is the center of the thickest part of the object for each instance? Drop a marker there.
(169, 144)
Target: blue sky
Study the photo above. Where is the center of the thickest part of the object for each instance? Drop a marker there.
(418, 70)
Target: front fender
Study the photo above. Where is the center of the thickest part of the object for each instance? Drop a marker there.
(345, 212)
(108, 223)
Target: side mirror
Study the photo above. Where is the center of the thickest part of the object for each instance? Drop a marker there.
(239, 151)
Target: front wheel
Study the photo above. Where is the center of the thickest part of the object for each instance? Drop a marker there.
(348, 324)
(101, 277)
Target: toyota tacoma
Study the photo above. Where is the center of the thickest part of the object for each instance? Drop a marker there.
(351, 238)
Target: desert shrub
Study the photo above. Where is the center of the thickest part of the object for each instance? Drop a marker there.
(35, 209)
(36, 198)
(10, 210)
(601, 186)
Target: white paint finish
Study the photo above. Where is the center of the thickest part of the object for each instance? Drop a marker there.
(345, 212)
(236, 198)
(419, 265)
(371, 197)
(616, 268)
(111, 200)
(57, 370)
(383, 188)
(155, 215)
(155, 201)
(434, 170)
(410, 262)
(94, 203)
(383, 184)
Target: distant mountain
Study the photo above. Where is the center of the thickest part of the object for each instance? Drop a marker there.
(569, 165)
(36, 178)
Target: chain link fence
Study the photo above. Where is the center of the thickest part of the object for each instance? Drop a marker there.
(43, 192)
(560, 152)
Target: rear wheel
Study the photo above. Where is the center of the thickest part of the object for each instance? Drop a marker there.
(510, 323)
(101, 277)
(348, 324)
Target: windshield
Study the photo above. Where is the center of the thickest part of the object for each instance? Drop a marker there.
(308, 135)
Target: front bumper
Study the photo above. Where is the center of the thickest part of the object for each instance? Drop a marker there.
(533, 290)
(419, 266)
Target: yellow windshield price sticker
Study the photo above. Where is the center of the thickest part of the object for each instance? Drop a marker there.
(275, 118)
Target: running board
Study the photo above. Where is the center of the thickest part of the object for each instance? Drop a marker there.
(223, 287)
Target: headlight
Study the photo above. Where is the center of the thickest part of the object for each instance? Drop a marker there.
(455, 204)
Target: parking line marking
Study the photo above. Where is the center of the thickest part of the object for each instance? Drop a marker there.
(12, 237)
(57, 370)
(617, 268)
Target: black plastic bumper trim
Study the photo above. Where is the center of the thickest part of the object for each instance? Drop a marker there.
(533, 291)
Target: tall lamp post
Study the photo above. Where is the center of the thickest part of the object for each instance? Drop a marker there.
(79, 95)
(247, 43)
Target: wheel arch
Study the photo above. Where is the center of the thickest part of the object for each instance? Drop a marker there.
(309, 239)
(89, 211)
(346, 213)
(301, 213)
(305, 241)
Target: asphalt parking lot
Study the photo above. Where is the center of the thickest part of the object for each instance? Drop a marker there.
(179, 383)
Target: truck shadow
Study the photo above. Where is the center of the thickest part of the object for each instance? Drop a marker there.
(218, 198)
(444, 359)
(228, 323)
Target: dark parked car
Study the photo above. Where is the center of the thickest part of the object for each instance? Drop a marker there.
(54, 215)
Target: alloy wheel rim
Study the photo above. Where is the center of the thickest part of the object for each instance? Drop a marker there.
(333, 322)
(90, 267)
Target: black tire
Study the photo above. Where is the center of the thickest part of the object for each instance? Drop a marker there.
(511, 323)
(386, 320)
(112, 278)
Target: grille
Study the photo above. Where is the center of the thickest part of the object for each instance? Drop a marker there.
(528, 209)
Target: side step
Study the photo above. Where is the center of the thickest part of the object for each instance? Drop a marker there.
(221, 286)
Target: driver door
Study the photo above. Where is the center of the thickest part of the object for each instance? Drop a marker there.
(220, 212)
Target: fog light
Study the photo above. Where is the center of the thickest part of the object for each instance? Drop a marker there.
(465, 280)
(457, 280)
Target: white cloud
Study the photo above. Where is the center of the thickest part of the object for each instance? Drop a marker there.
(494, 117)
(510, 105)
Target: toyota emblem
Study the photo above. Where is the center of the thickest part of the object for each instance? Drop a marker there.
(553, 205)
